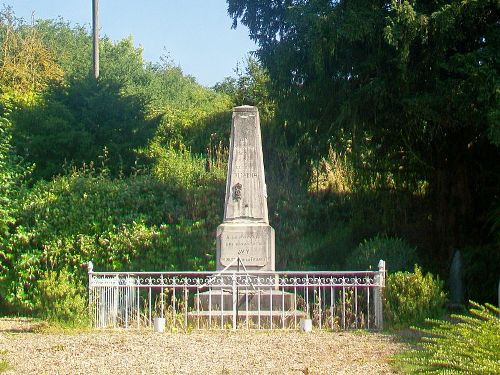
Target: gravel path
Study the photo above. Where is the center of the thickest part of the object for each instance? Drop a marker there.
(205, 352)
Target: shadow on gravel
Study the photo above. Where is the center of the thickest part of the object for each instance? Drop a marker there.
(20, 325)
(408, 336)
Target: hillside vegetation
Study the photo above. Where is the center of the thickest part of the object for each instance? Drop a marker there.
(380, 134)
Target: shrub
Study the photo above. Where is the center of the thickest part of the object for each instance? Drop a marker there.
(59, 224)
(61, 299)
(481, 266)
(200, 190)
(317, 250)
(397, 253)
(136, 223)
(469, 346)
(410, 298)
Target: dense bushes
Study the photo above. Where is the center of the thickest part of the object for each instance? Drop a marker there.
(481, 267)
(135, 223)
(13, 172)
(136, 203)
(470, 344)
(200, 188)
(411, 297)
(61, 299)
(75, 122)
(396, 252)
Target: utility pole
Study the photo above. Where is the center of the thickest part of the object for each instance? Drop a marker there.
(95, 32)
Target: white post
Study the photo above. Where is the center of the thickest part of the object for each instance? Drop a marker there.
(235, 301)
(377, 295)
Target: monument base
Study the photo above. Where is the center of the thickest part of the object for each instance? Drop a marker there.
(268, 300)
(264, 308)
(252, 242)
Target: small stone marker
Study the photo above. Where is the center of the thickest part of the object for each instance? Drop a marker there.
(456, 281)
(245, 231)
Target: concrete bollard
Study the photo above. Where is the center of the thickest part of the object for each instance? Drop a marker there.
(306, 325)
(159, 324)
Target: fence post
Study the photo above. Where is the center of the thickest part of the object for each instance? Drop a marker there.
(377, 300)
(235, 301)
(90, 268)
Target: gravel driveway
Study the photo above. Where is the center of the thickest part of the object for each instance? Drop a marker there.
(201, 352)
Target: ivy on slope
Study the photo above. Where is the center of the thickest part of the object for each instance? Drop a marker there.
(135, 223)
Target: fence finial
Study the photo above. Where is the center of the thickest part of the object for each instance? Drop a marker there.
(381, 265)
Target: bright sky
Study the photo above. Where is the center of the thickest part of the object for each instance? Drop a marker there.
(196, 34)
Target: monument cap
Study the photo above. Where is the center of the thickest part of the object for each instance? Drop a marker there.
(245, 108)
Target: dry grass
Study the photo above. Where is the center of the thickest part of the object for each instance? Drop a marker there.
(30, 351)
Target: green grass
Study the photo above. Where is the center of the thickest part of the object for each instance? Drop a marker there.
(4, 365)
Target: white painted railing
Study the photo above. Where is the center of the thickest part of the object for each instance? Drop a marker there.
(234, 300)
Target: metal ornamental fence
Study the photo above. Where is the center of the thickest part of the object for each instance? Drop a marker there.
(237, 299)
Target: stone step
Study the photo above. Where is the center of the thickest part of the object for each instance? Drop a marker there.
(250, 313)
(254, 319)
(267, 300)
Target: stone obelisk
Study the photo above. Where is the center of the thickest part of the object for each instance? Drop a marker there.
(245, 231)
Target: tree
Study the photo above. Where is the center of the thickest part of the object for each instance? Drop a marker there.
(250, 87)
(77, 122)
(408, 88)
(27, 66)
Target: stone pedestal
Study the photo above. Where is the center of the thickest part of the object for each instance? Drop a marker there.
(253, 243)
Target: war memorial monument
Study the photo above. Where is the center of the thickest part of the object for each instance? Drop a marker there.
(245, 233)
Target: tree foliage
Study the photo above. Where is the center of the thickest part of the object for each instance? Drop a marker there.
(407, 89)
(27, 66)
(70, 118)
(100, 189)
(250, 87)
(78, 122)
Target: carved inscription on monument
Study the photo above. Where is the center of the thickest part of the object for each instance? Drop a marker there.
(250, 246)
